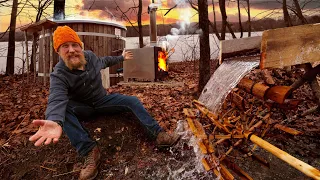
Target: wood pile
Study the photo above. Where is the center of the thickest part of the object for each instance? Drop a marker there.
(219, 134)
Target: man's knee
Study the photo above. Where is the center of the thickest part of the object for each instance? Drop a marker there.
(79, 109)
(133, 100)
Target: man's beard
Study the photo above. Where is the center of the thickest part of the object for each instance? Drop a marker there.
(74, 65)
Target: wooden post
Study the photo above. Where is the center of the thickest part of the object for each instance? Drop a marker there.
(294, 162)
(34, 64)
(27, 55)
(51, 53)
(43, 56)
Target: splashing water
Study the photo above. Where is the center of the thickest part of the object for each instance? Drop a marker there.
(185, 160)
(226, 77)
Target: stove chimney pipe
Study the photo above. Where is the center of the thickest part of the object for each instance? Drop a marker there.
(58, 9)
(153, 24)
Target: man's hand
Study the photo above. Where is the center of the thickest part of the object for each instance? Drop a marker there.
(127, 55)
(48, 131)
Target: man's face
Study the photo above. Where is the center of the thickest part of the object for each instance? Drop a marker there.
(72, 55)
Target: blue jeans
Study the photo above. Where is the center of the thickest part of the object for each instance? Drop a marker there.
(110, 104)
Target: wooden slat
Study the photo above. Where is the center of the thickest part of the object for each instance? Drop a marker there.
(290, 46)
(239, 47)
(27, 54)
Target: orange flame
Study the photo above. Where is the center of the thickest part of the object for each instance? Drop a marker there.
(162, 61)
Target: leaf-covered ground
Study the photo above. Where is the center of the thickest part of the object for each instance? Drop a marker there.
(127, 152)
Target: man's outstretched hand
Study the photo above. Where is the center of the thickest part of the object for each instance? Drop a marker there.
(49, 131)
(127, 55)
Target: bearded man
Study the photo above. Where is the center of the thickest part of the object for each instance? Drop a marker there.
(76, 91)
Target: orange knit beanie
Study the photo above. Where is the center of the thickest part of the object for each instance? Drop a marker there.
(64, 34)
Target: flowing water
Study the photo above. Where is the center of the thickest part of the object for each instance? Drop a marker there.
(224, 79)
(187, 165)
(184, 162)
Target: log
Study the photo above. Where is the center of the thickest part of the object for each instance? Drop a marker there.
(246, 84)
(257, 89)
(290, 46)
(226, 173)
(292, 161)
(200, 131)
(278, 93)
(192, 126)
(188, 112)
(205, 164)
(239, 47)
(202, 147)
(287, 129)
(208, 145)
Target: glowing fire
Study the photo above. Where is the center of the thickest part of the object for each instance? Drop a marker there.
(162, 61)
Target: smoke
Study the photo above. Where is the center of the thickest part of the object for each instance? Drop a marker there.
(185, 15)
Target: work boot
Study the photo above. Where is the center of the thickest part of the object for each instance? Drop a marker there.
(90, 168)
(167, 140)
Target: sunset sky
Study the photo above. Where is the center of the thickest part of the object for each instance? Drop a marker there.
(106, 10)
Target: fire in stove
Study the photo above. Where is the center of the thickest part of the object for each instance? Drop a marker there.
(162, 61)
(148, 64)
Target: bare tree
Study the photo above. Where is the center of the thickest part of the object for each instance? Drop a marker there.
(299, 12)
(240, 24)
(40, 8)
(140, 24)
(222, 6)
(214, 24)
(286, 16)
(249, 18)
(129, 20)
(11, 43)
(204, 63)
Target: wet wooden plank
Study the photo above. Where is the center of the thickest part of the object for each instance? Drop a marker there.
(290, 46)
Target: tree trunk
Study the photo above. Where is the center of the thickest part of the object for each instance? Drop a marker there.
(249, 19)
(140, 25)
(214, 25)
(11, 43)
(230, 30)
(224, 18)
(204, 64)
(286, 16)
(240, 25)
(33, 52)
(299, 12)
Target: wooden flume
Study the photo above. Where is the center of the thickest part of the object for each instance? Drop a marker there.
(264, 92)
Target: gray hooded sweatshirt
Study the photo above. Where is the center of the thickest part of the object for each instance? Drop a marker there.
(82, 86)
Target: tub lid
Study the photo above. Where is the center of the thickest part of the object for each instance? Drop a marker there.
(90, 21)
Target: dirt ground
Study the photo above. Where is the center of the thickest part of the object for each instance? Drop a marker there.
(127, 152)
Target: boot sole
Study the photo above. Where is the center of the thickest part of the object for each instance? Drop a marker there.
(169, 145)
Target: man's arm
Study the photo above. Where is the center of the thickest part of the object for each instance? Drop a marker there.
(108, 61)
(50, 129)
(58, 99)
